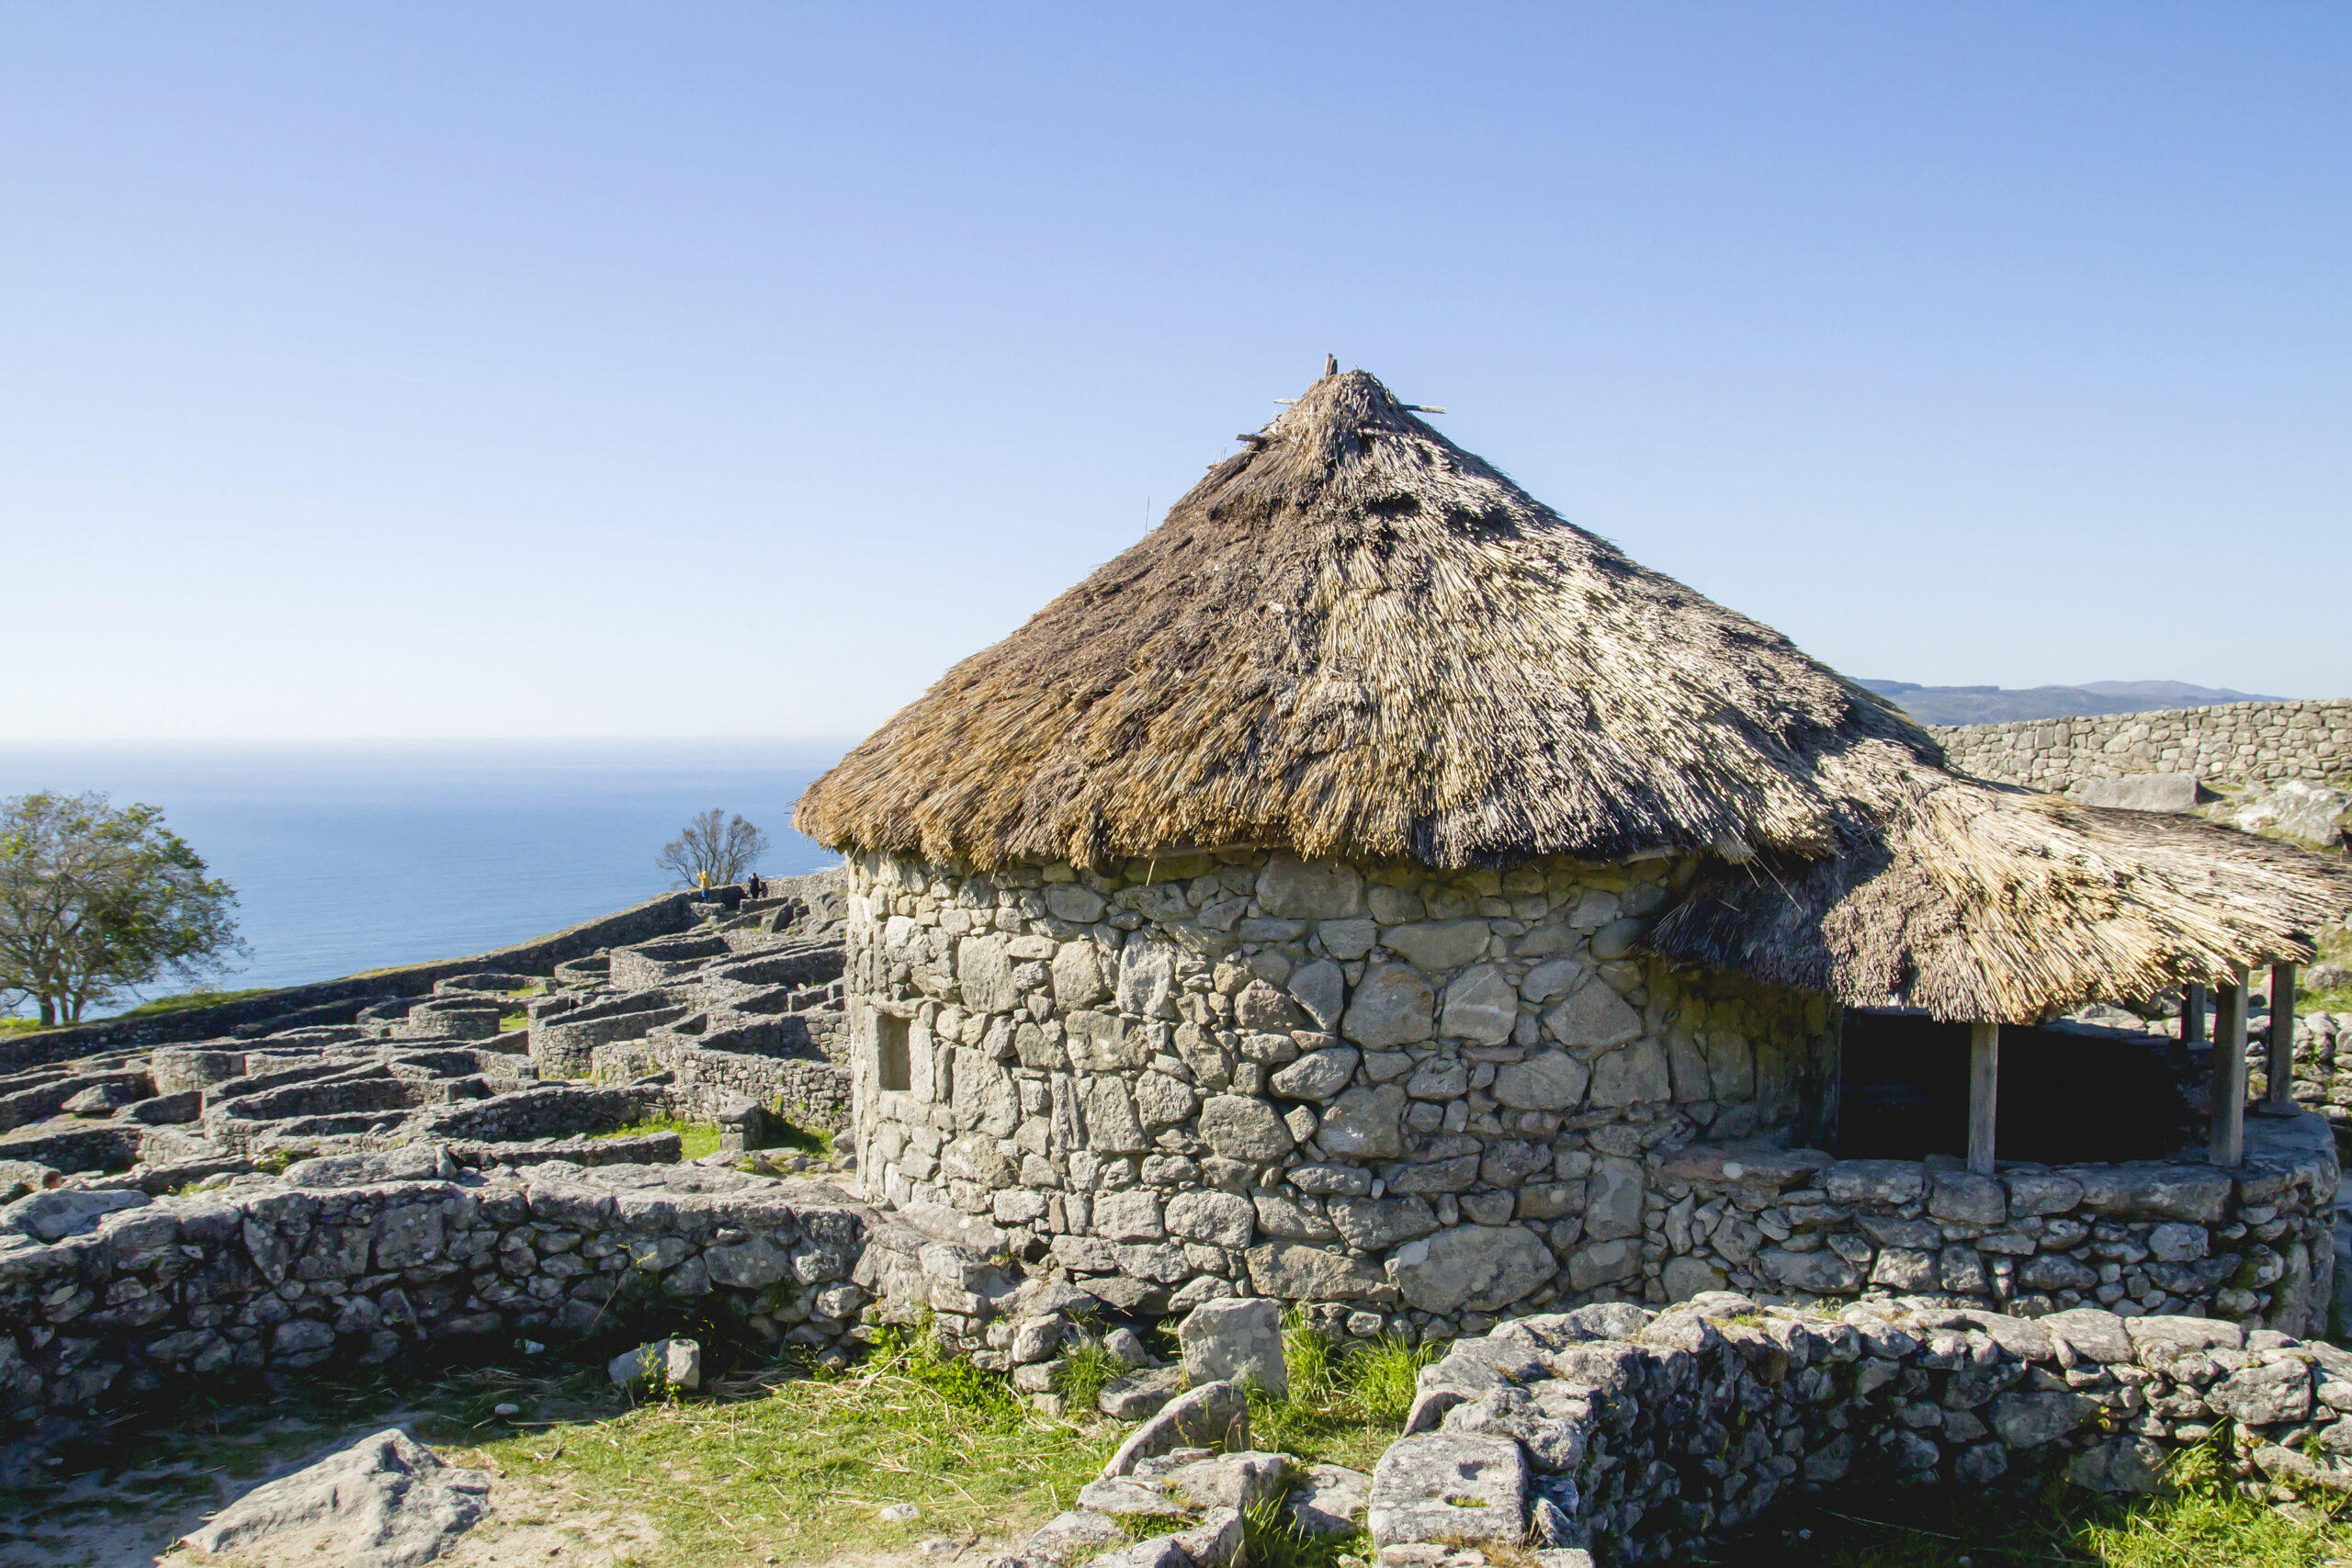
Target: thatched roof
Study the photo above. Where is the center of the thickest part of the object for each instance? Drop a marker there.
(1355, 640)
(1977, 900)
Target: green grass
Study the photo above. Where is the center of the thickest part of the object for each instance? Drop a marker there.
(1083, 1373)
(798, 1466)
(21, 1026)
(1347, 1401)
(509, 1023)
(695, 1139)
(787, 1133)
(2206, 1523)
(188, 999)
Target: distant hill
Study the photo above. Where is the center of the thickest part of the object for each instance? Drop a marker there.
(1994, 705)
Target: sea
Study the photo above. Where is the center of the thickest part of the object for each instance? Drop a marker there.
(354, 856)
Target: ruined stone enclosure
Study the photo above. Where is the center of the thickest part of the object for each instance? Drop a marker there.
(1411, 1100)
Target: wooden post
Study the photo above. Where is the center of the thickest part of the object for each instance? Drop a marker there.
(1983, 1093)
(2192, 1015)
(2280, 1100)
(2229, 1074)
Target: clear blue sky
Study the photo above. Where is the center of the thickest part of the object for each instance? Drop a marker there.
(569, 370)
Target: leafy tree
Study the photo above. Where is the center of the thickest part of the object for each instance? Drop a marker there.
(95, 902)
(712, 850)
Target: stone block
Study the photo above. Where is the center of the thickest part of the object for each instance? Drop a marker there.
(2137, 791)
(1441, 1487)
(1394, 1006)
(1236, 1341)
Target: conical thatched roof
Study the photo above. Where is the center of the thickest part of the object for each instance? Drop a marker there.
(1355, 640)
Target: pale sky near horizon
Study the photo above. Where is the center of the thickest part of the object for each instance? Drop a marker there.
(380, 370)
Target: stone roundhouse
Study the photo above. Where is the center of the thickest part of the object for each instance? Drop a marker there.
(1374, 892)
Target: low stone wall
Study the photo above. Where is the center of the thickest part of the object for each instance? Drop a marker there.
(107, 1294)
(2253, 1243)
(639, 922)
(2231, 743)
(1641, 1437)
(808, 1089)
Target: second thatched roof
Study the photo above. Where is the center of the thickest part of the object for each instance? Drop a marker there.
(1354, 641)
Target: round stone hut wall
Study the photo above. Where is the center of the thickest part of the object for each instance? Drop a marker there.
(1411, 1099)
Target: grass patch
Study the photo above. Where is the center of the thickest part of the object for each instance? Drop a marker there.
(1347, 1401)
(2207, 1523)
(509, 1023)
(695, 1139)
(9, 1026)
(186, 1000)
(1084, 1372)
(783, 1132)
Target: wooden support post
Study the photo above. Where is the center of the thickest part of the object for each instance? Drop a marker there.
(1983, 1093)
(2229, 1074)
(2192, 1015)
(2280, 1100)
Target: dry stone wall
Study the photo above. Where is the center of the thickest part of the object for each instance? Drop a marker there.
(2252, 1242)
(1413, 1101)
(105, 1295)
(2236, 743)
(1642, 1436)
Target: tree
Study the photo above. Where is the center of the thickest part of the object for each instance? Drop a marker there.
(712, 850)
(95, 902)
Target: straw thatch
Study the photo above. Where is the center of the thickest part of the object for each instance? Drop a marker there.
(1975, 900)
(1357, 641)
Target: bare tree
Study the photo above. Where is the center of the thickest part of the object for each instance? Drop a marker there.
(97, 901)
(713, 850)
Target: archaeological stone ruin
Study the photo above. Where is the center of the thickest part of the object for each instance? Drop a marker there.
(1370, 897)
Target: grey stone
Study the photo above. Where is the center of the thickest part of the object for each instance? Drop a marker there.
(1967, 1200)
(1236, 1341)
(1140, 1393)
(2138, 792)
(1602, 1262)
(59, 1211)
(2157, 1342)
(1322, 989)
(2176, 1243)
(1078, 968)
(1437, 1486)
(1375, 1224)
(2057, 1272)
(1146, 982)
(1548, 1080)
(1635, 1076)
(2119, 1464)
(1345, 1180)
(664, 1363)
(1294, 890)
(1331, 1500)
(1885, 1182)
(1214, 1415)
(1481, 1267)
(2263, 1395)
(1080, 905)
(1243, 1128)
(1437, 945)
(1552, 978)
(1817, 1271)
(1297, 1271)
(1686, 1277)
(1391, 1007)
(1900, 1268)
(1348, 939)
(1480, 1006)
(2311, 814)
(1365, 1123)
(1614, 1200)
(2196, 1193)
(385, 1502)
(1318, 1074)
(1260, 1006)
(1439, 1079)
(1593, 1015)
(2029, 1420)
(2093, 1332)
(1218, 1219)
(2032, 1192)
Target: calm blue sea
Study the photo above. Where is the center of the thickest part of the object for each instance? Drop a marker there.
(353, 856)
